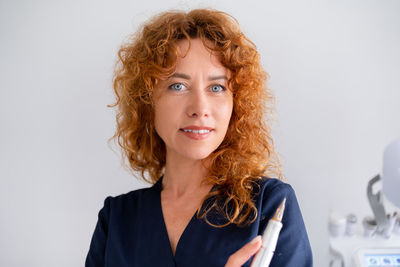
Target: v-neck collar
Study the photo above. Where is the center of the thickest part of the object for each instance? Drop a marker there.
(186, 231)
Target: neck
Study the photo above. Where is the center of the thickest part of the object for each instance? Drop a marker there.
(183, 177)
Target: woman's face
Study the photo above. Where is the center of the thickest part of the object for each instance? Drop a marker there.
(194, 106)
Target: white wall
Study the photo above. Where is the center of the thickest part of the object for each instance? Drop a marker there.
(334, 66)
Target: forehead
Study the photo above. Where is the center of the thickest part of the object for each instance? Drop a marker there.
(194, 54)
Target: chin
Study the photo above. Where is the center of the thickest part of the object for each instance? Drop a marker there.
(197, 155)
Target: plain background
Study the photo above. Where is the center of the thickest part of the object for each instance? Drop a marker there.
(334, 67)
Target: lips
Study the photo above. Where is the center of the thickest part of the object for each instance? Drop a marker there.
(196, 132)
(193, 127)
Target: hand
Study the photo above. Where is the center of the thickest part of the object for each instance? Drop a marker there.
(241, 256)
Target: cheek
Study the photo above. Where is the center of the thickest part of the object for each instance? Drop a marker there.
(165, 116)
(224, 112)
(159, 118)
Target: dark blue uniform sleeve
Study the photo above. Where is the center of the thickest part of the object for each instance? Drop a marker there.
(293, 247)
(96, 254)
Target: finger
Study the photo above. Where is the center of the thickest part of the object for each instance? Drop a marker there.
(241, 256)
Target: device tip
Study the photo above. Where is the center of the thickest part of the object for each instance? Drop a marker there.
(279, 212)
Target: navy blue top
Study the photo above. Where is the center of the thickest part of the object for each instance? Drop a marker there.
(131, 232)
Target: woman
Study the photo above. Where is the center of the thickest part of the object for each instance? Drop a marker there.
(191, 100)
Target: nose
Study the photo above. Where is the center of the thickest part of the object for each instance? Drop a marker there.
(198, 105)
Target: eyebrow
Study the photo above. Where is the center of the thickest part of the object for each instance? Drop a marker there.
(210, 78)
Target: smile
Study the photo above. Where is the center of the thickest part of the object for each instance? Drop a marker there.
(196, 131)
(197, 134)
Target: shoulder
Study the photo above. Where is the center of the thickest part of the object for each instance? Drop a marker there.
(131, 199)
(293, 248)
(272, 188)
(271, 184)
(270, 193)
(137, 193)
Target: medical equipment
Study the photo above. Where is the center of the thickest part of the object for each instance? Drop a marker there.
(269, 239)
(336, 225)
(369, 226)
(377, 257)
(351, 224)
(396, 228)
(376, 241)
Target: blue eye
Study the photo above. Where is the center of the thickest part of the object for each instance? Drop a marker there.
(177, 86)
(217, 88)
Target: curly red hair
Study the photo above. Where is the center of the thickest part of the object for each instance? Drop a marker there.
(247, 152)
